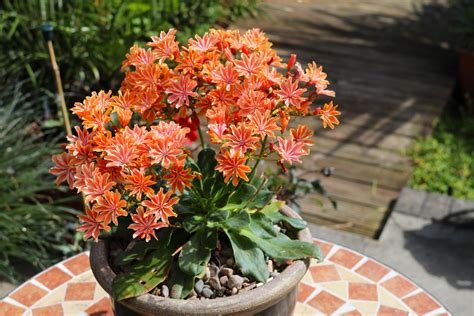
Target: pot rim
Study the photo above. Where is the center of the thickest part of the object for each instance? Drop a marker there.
(252, 301)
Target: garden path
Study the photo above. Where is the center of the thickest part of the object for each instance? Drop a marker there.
(390, 68)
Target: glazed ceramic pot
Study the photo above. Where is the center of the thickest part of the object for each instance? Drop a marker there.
(275, 298)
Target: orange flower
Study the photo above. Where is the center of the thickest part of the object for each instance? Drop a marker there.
(249, 65)
(165, 46)
(328, 115)
(232, 165)
(316, 75)
(161, 205)
(138, 57)
(144, 226)
(121, 152)
(92, 226)
(65, 168)
(302, 135)
(139, 184)
(264, 124)
(179, 178)
(164, 151)
(250, 101)
(152, 77)
(109, 206)
(225, 75)
(289, 93)
(289, 150)
(240, 139)
(96, 186)
(203, 44)
(181, 90)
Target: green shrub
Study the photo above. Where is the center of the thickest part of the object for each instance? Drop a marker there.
(91, 37)
(463, 23)
(36, 225)
(444, 161)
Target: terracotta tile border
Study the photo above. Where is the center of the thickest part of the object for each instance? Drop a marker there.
(323, 290)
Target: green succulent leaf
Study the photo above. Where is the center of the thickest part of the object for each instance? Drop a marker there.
(193, 223)
(139, 250)
(272, 212)
(248, 256)
(207, 162)
(238, 220)
(262, 226)
(179, 283)
(196, 252)
(144, 276)
(240, 197)
(282, 247)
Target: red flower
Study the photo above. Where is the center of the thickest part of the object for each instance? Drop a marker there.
(232, 165)
(145, 225)
(161, 205)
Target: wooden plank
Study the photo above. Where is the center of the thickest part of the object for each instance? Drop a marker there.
(327, 147)
(359, 193)
(389, 88)
(358, 172)
(367, 137)
(348, 216)
(367, 120)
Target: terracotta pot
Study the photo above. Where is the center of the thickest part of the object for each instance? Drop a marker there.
(276, 298)
(466, 71)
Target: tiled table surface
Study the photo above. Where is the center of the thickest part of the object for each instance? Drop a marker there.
(346, 283)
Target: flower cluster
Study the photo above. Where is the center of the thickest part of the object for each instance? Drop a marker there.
(129, 158)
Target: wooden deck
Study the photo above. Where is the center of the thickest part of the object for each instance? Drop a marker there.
(392, 80)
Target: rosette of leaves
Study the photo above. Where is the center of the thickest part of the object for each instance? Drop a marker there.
(211, 211)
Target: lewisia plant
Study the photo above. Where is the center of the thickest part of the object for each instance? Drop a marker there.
(131, 158)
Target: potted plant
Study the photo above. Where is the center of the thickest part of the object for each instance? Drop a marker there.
(463, 27)
(183, 232)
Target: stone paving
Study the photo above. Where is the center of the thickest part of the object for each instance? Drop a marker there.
(428, 238)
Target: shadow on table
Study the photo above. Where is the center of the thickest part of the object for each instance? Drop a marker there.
(445, 248)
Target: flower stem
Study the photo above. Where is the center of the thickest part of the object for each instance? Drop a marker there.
(201, 137)
(262, 150)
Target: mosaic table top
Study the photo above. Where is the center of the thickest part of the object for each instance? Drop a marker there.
(346, 283)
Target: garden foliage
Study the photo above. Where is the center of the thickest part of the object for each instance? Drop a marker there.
(91, 37)
(444, 161)
(36, 227)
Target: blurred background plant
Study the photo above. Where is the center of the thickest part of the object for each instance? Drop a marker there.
(463, 23)
(290, 187)
(92, 36)
(35, 217)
